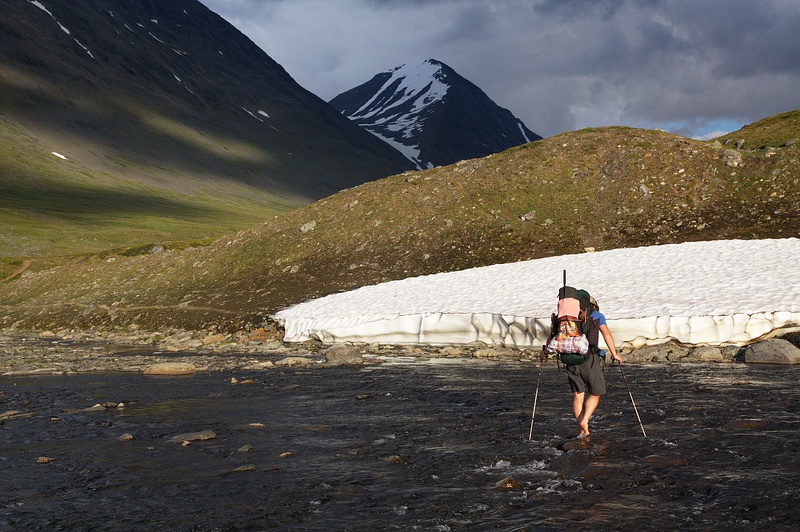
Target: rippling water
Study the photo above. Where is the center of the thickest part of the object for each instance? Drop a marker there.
(403, 445)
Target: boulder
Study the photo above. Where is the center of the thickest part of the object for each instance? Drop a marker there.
(343, 355)
(772, 351)
(706, 354)
(731, 158)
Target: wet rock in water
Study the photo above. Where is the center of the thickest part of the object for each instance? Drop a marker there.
(572, 445)
(507, 483)
(772, 351)
(746, 424)
(44, 460)
(125, 437)
(394, 459)
(246, 448)
(343, 355)
(15, 414)
(241, 469)
(170, 368)
(194, 436)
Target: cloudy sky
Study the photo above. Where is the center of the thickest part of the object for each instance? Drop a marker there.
(692, 67)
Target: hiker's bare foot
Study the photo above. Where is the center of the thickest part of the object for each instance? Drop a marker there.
(584, 425)
(583, 436)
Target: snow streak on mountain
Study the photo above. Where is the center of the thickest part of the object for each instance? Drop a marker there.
(432, 115)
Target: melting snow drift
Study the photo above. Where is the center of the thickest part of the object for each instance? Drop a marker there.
(700, 293)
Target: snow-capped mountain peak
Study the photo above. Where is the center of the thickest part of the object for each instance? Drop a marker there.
(419, 85)
(432, 115)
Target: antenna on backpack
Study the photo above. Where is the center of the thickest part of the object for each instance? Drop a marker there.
(565, 277)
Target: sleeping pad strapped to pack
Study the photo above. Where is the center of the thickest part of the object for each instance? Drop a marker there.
(573, 333)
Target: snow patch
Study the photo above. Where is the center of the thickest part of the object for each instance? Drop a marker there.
(40, 6)
(251, 114)
(701, 293)
(413, 80)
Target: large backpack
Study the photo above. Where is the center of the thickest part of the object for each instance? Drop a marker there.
(574, 334)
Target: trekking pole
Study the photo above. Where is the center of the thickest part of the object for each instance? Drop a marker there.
(632, 401)
(536, 395)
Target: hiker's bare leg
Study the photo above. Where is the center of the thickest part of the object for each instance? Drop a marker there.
(577, 404)
(587, 408)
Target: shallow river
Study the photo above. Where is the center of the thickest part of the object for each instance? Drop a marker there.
(402, 445)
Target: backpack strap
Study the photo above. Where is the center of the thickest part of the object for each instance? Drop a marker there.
(591, 328)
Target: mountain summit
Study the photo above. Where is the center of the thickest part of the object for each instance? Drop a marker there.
(432, 115)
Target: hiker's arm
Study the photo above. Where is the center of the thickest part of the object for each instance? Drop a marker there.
(609, 338)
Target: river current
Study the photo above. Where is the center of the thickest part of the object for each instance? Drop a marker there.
(408, 444)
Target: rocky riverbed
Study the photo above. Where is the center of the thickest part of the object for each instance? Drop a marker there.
(180, 351)
(393, 443)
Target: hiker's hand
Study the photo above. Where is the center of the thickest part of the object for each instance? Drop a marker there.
(617, 357)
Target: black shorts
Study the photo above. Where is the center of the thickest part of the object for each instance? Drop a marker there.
(587, 377)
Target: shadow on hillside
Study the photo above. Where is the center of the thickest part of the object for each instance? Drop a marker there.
(83, 204)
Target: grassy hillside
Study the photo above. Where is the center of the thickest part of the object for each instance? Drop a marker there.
(596, 188)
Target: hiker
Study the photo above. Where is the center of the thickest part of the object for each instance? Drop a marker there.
(588, 376)
(574, 336)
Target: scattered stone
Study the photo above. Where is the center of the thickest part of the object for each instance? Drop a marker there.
(507, 483)
(309, 226)
(44, 460)
(294, 362)
(772, 351)
(170, 368)
(194, 436)
(492, 353)
(214, 339)
(125, 437)
(286, 455)
(245, 448)
(260, 365)
(394, 459)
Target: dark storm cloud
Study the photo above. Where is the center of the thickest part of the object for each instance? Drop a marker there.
(682, 65)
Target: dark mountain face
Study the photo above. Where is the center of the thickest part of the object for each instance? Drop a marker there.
(173, 87)
(432, 115)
